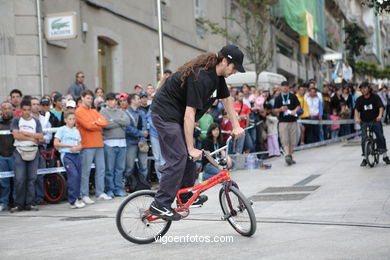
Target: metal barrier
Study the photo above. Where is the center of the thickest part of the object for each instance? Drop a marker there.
(44, 171)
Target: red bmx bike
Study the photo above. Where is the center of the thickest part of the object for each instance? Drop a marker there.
(137, 225)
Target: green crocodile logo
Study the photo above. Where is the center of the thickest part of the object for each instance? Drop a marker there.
(56, 25)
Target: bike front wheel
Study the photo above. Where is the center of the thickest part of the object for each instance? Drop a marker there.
(132, 219)
(237, 210)
(370, 153)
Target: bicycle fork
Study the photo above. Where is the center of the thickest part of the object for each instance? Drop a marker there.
(232, 212)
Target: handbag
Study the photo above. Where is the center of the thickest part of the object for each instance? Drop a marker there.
(144, 148)
(28, 153)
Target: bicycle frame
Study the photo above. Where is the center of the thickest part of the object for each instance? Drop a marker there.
(222, 177)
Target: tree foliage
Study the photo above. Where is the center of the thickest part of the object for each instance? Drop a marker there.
(252, 17)
(354, 41)
(381, 6)
(365, 68)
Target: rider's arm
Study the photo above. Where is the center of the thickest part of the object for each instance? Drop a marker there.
(189, 125)
(381, 110)
(357, 119)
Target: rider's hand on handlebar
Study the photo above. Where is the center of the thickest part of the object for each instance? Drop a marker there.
(358, 121)
(238, 132)
(379, 118)
(195, 154)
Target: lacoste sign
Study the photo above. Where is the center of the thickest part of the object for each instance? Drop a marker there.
(60, 26)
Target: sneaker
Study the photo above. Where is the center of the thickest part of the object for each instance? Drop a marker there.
(198, 201)
(2, 207)
(110, 194)
(77, 205)
(120, 194)
(292, 160)
(288, 160)
(363, 163)
(87, 200)
(32, 208)
(163, 212)
(386, 160)
(15, 209)
(104, 196)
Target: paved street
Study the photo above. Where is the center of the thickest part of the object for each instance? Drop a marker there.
(330, 208)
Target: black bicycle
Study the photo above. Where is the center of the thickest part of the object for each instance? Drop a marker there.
(371, 152)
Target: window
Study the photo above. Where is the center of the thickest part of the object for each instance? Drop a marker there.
(105, 49)
(284, 49)
(200, 12)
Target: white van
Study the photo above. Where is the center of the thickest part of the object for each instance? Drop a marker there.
(266, 79)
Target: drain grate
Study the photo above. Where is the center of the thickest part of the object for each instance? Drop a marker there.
(279, 197)
(289, 189)
(83, 218)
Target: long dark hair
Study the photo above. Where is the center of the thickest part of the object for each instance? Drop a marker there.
(204, 62)
(210, 133)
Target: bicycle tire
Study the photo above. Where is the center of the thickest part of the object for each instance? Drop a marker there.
(241, 205)
(128, 229)
(369, 152)
(54, 187)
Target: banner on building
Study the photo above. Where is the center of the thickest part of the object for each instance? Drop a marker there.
(60, 26)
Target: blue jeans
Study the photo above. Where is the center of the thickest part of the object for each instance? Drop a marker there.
(335, 133)
(209, 171)
(158, 158)
(133, 152)
(115, 167)
(39, 191)
(6, 164)
(25, 177)
(89, 155)
(250, 139)
(240, 145)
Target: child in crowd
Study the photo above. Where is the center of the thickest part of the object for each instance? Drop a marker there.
(68, 141)
(335, 128)
(345, 113)
(272, 132)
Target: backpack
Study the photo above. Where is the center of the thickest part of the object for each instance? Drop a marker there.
(137, 182)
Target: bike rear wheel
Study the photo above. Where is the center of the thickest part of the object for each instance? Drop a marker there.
(370, 152)
(238, 212)
(131, 222)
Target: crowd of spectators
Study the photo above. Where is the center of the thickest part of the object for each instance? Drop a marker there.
(115, 132)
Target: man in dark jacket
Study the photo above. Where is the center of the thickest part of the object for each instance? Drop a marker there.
(6, 150)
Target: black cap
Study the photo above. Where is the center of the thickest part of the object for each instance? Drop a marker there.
(110, 96)
(143, 94)
(45, 101)
(57, 97)
(233, 54)
(284, 83)
(365, 84)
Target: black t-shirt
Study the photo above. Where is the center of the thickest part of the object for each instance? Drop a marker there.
(199, 91)
(289, 100)
(369, 107)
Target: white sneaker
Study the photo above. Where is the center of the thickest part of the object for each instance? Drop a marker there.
(104, 196)
(1, 207)
(79, 204)
(87, 200)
